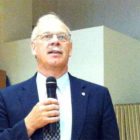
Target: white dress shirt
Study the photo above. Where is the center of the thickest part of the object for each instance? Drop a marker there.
(64, 97)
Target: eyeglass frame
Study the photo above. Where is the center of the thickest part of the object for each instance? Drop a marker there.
(67, 37)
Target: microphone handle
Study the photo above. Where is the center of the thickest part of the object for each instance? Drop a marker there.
(52, 94)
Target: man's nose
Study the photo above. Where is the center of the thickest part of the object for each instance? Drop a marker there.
(54, 41)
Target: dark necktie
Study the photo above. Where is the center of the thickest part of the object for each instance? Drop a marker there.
(51, 134)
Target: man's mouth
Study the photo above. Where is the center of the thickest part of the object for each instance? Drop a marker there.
(54, 52)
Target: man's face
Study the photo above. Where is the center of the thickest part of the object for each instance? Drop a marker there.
(52, 47)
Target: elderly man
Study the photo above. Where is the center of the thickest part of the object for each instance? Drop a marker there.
(81, 111)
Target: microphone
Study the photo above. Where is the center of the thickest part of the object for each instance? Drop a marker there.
(51, 92)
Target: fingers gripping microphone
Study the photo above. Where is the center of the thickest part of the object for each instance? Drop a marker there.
(51, 92)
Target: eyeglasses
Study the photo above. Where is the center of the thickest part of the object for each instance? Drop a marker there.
(63, 37)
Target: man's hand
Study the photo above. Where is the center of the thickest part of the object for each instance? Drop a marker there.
(43, 113)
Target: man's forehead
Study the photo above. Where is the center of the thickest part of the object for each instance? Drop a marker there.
(53, 27)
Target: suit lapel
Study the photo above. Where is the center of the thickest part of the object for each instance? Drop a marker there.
(28, 98)
(79, 104)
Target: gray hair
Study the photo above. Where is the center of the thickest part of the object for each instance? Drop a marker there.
(44, 19)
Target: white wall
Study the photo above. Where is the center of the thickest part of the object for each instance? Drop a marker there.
(87, 61)
(17, 60)
(100, 55)
(87, 57)
(122, 66)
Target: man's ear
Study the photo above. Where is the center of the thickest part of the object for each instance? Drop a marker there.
(33, 48)
(70, 52)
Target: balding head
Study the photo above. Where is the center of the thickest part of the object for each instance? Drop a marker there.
(46, 23)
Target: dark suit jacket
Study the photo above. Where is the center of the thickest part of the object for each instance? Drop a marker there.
(93, 115)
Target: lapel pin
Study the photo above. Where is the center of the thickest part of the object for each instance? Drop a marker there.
(83, 93)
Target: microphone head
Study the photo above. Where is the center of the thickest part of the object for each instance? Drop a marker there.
(51, 80)
(51, 87)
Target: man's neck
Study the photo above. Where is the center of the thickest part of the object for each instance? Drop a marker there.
(56, 72)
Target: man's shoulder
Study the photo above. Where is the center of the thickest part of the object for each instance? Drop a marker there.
(18, 86)
(87, 83)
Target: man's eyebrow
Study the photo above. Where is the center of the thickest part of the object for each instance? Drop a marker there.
(46, 33)
(54, 32)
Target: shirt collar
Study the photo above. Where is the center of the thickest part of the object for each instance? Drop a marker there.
(41, 78)
(61, 81)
